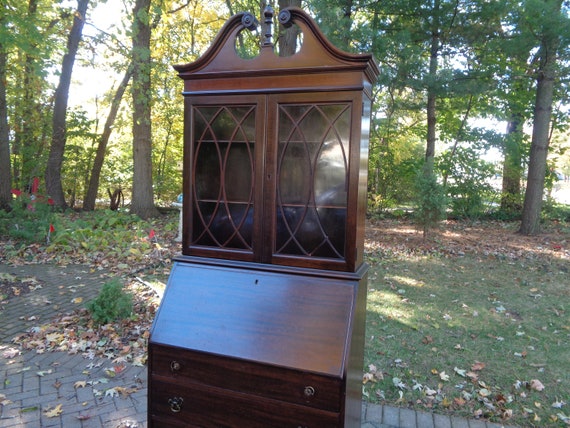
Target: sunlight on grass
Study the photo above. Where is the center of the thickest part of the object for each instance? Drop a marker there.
(405, 280)
(468, 335)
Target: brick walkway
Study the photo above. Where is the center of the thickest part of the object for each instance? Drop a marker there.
(78, 390)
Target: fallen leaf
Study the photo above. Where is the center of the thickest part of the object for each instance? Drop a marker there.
(110, 373)
(4, 401)
(125, 392)
(459, 401)
(111, 392)
(460, 372)
(367, 377)
(430, 391)
(398, 383)
(473, 376)
(80, 384)
(477, 366)
(55, 412)
(536, 385)
(11, 353)
(119, 368)
(444, 376)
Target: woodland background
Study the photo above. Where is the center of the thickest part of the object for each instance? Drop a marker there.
(471, 110)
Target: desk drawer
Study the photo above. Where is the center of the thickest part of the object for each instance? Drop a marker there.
(186, 367)
(201, 406)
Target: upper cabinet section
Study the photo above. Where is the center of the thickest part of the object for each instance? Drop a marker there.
(276, 148)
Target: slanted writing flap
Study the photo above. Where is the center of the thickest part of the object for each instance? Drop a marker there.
(281, 319)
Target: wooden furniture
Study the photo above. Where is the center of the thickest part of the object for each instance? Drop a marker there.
(262, 321)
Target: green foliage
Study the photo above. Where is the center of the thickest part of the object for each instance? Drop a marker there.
(78, 155)
(113, 233)
(396, 153)
(112, 303)
(28, 221)
(430, 200)
(468, 186)
(557, 213)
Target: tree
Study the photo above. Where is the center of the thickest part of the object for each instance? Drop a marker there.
(5, 167)
(57, 149)
(93, 188)
(27, 43)
(142, 202)
(32, 114)
(550, 30)
(287, 41)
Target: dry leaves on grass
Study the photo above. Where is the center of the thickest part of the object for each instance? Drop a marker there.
(457, 238)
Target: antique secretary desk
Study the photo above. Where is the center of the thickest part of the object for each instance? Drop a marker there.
(262, 321)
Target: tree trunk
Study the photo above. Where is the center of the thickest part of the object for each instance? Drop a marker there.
(550, 42)
(5, 172)
(346, 22)
(27, 141)
(432, 91)
(512, 166)
(142, 203)
(92, 189)
(57, 149)
(288, 36)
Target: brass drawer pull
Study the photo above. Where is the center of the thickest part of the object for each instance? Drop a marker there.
(309, 391)
(175, 404)
(175, 366)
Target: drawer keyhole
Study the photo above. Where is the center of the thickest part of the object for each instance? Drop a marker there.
(175, 404)
(309, 391)
(175, 366)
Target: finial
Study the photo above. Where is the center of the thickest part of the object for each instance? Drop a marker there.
(267, 25)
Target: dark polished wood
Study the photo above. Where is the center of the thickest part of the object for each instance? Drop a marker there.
(272, 336)
(262, 321)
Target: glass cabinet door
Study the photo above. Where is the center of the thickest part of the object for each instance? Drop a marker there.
(223, 176)
(312, 164)
(269, 180)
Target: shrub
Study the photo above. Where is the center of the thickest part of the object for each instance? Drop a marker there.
(431, 202)
(112, 303)
(28, 221)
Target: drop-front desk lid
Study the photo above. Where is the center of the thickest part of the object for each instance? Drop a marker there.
(279, 318)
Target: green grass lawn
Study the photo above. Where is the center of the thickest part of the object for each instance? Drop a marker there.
(475, 334)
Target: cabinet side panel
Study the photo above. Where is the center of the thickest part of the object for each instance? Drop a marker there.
(353, 402)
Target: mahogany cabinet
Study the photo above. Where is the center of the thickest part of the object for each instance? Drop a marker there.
(262, 320)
